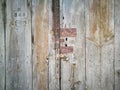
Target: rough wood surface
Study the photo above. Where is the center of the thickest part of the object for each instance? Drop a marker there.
(2, 45)
(54, 48)
(59, 44)
(117, 44)
(73, 63)
(18, 45)
(99, 44)
(40, 44)
(51, 55)
(107, 48)
(92, 16)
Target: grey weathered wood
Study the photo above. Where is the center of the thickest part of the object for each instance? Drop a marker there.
(40, 44)
(99, 44)
(107, 41)
(18, 45)
(73, 66)
(66, 83)
(2, 46)
(33, 57)
(51, 57)
(117, 44)
(93, 50)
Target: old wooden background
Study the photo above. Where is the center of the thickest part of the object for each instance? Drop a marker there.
(59, 44)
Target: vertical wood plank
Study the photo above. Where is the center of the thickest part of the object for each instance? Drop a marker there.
(73, 64)
(40, 44)
(107, 42)
(2, 45)
(52, 74)
(117, 44)
(92, 15)
(18, 45)
(51, 56)
(99, 44)
(54, 32)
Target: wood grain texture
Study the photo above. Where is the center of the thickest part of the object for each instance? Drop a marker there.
(73, 66)
(2, 45)
(99, 44)
(18, 45)
(59, 45)
(54, 48)
(107, 50)
(93, 61)
(117, 44)
(40, 44)
(51, 55)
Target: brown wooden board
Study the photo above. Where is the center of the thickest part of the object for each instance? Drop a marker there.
(40, 44)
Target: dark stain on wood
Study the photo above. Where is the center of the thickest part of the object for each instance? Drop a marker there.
(118, 73)
(56, 19)
(32, 39)
(4, 12)
(56, 37)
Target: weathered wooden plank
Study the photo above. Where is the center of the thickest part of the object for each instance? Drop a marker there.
(73, 62)
(93, 49)
(51, 56)
(107, 41)
(66, 32)
(117, 44)
(54, 34)
(2, 45)
(18, 45)
(100, 46)
(40, 44)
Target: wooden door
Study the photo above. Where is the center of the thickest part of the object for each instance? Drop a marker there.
(59, 45)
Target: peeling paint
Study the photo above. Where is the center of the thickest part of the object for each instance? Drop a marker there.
(68, 32)
(67, 49)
